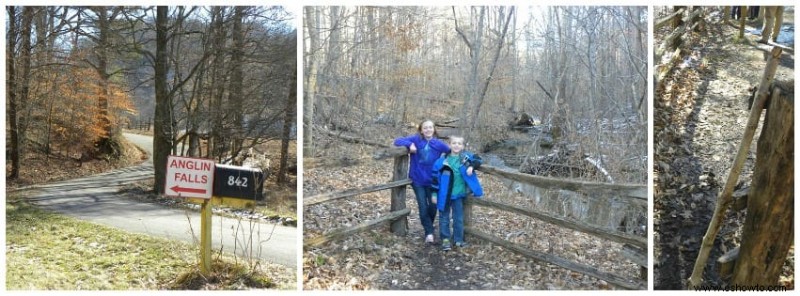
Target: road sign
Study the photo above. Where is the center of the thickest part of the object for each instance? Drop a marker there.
(238, 182)
(189, 177)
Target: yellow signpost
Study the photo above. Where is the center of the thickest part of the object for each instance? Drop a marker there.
(205, 224)
(201, 181)
(205, 237)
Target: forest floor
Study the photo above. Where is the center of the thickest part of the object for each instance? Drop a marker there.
(380, 260)
(700, 113)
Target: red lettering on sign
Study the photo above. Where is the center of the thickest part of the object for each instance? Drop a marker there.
(191, 178)
(190, 164)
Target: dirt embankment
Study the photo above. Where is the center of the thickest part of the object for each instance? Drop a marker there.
(38, 167)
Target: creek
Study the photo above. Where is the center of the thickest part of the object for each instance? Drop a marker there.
(603, 210)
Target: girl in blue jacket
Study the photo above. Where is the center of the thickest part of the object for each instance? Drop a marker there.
(425, 148)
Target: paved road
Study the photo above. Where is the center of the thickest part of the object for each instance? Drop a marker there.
(95, 199)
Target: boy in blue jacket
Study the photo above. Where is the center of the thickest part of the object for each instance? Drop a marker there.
(424, 148)
(453, 177)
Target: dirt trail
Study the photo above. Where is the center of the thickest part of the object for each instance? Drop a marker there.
(699, 118)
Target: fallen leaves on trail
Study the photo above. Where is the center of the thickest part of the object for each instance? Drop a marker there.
(700, 115)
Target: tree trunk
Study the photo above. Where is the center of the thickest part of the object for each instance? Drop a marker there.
(287, 129)
(11, 92)
(216, 140)
(560, 126)
(768, 231)
(311, 81)
(102, 71)
(485, 86)
(23, 102)
(475, 46)
(516, 67)
(742, 22)
(236, 94)
(161, 121)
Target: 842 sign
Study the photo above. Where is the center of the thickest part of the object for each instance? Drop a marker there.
(238, 182)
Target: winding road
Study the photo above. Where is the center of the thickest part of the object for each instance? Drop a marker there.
(97, 199)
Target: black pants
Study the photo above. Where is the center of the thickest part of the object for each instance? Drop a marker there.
(736, 12)
(753, 12)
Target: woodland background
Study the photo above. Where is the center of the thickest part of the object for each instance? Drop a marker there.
(522, 84)
(213, 82)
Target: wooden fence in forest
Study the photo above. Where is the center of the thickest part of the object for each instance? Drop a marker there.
(683, 22)
(759, 258)
(634, 247)
(142, 125)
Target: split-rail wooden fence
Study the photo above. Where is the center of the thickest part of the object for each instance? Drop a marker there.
(634, 246)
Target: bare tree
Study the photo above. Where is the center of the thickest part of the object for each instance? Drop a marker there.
(11, 91)
(309, 97)
(162, 121)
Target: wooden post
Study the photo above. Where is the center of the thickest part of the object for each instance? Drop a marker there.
(726, 14)
(678, 20)
(468, 211)
(399, 226)
(697, 19)
(742, 22)
(726, 262)
(725, 199)
(205, 237)
(768, 231)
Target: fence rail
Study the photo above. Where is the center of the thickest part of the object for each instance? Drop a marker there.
(143, 125)
(672, 42)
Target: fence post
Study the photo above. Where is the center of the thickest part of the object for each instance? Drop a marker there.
(399, 226)
(468, 211)
(770, 203)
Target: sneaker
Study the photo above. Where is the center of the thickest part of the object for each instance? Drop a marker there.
(445, 245)
(429, 238)
(461, 244)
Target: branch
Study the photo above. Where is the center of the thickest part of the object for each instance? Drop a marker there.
(352, 139)
(545, 90)
(461, 33)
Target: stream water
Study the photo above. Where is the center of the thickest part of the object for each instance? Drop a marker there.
(610, 212)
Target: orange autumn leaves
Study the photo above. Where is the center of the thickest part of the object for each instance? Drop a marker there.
(74, 115)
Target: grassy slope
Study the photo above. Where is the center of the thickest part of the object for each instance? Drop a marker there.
(50, 251)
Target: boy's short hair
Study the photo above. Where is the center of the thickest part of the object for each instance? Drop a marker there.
(453, 137)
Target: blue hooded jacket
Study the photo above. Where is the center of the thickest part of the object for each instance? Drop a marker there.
(443, 178)
(422, 161)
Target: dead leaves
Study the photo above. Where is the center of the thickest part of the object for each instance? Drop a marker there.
(699, 118)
